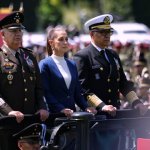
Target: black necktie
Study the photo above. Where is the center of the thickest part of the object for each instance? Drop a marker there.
(17, 55)
(102, 52)
(21, 60)
(111, 61)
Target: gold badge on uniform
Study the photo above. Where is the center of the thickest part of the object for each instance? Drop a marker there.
(17, 20)
(10, 77)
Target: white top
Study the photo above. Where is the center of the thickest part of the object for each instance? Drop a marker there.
(63, 68)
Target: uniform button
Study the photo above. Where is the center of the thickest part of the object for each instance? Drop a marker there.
(108, 80)
(101, 68)
(109, 90)
(10, 82)
(25, 80)
(118, 90)
(68, 96)
(26, 90)
(118, 79)
(109, 101)
(31, 78)
(25, 99)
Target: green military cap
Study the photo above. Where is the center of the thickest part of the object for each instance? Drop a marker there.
(12, 21)
(32, 132)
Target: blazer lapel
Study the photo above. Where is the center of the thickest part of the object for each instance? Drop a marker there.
(71, 69)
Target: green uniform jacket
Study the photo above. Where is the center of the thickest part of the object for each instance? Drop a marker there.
(20, 85)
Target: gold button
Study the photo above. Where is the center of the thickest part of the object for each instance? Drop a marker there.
(109, 101)
(25, 99)
(10, 82)
(109, 90)
(118, 79)
(101, 68)
(108, 80)
(25, 80)
(26, 90)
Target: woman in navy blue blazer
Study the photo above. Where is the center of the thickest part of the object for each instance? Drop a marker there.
(60, 77)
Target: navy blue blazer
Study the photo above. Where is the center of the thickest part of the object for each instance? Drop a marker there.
(57, 95)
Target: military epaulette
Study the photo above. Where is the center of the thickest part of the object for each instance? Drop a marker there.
(27, 49)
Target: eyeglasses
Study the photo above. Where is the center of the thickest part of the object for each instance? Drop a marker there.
(105, 32)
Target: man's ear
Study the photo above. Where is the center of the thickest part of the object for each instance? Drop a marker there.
(91, 33)
(20, 145)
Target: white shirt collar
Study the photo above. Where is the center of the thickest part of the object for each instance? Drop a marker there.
(98, 48)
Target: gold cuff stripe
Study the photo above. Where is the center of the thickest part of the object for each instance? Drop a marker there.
(93, 100)
(131, 96)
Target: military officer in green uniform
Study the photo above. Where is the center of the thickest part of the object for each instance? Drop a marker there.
(20, 85)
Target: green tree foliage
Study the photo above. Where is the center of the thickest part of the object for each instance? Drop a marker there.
(77, 12)
(122, 9)
(49, 13)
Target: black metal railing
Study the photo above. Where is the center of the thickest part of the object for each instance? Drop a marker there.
(84, 125)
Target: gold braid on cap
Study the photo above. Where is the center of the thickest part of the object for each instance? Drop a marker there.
(93, 100)
(131, 96)
(102, 25)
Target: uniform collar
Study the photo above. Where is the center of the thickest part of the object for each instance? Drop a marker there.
(98, 48)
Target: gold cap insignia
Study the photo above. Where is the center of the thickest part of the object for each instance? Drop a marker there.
(106, 20)
(17, 21)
